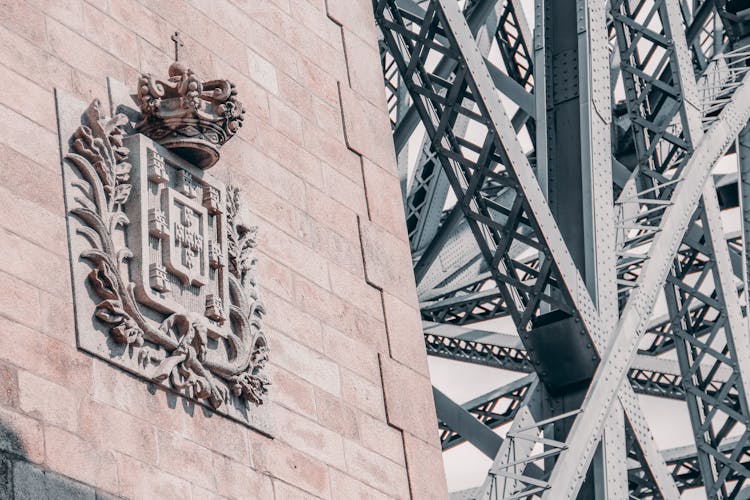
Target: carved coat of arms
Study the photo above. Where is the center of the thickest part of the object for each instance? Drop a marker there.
(162, 253)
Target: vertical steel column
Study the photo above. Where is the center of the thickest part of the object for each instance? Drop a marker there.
(566, 169)
(743, 163)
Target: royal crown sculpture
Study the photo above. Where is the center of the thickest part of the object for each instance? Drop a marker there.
(191, 117)
(162, 253)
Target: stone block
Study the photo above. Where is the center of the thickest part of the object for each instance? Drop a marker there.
(405, 335)
(355, 355)
(408, 400)
(285, 119)
(16, 131)
(138, 18)
(34, 264)
(130, 395)
(345, 486)
(21, 435)
(338, 249)
(387, 261)
(327, 117)
(56, 317)
(376, 435)
(152, 59)
(44, 356)
(238, 481)
(27, 98)
(339, 313)
(111, 429)
(335, 414)
(289, 492)
(19, 301)
(218, 434)
(348, 192)
(81, 53)
(25, 20)
(294, 467)
(8, 385)
(140, 481)
(308, 364)
(297, 324)
(364, 69)
(313, 15)
(77, 458)
(356, 291)
(271, 274)
(33, 62)
(309, 437)
(376, 470)
(367, 128)
(244, 159)
(363, 394)
(318, 80)
(28, 482)
(293, 392)
(47, 229)
(204, 494)
(384, 199)
(295, 94)
(262, 71)
(331, 214)
(425, 468)
(50, 402)
(332, 151)
(356, 16)
(113, 37)
(30, 180)
(186, 459)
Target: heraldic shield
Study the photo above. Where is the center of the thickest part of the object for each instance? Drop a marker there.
(163, 265)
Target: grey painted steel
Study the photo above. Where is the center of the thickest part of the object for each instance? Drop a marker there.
(743, 161)
(494, 409)
(500, 251)
(465, 424)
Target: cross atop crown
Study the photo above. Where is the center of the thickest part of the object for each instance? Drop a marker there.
(177, 44)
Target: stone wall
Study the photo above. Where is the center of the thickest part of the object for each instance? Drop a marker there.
(352, 407)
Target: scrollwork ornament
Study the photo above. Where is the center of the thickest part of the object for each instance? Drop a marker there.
(174, 351)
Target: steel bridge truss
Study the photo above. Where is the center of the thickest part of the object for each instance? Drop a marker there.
(660, 299)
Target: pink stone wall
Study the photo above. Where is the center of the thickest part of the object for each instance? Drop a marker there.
(353, 407)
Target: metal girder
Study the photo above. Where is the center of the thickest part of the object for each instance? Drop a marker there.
(469, 301)
(429, 186)
(720, 413)
(670, 132)
(467, 93)
(647, 375)
(428, 230)
(462, 423)
(492, 410)
(683, 199)
(470, 163)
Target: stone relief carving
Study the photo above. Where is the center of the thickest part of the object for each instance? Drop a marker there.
(162, 253)
(183, 113)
